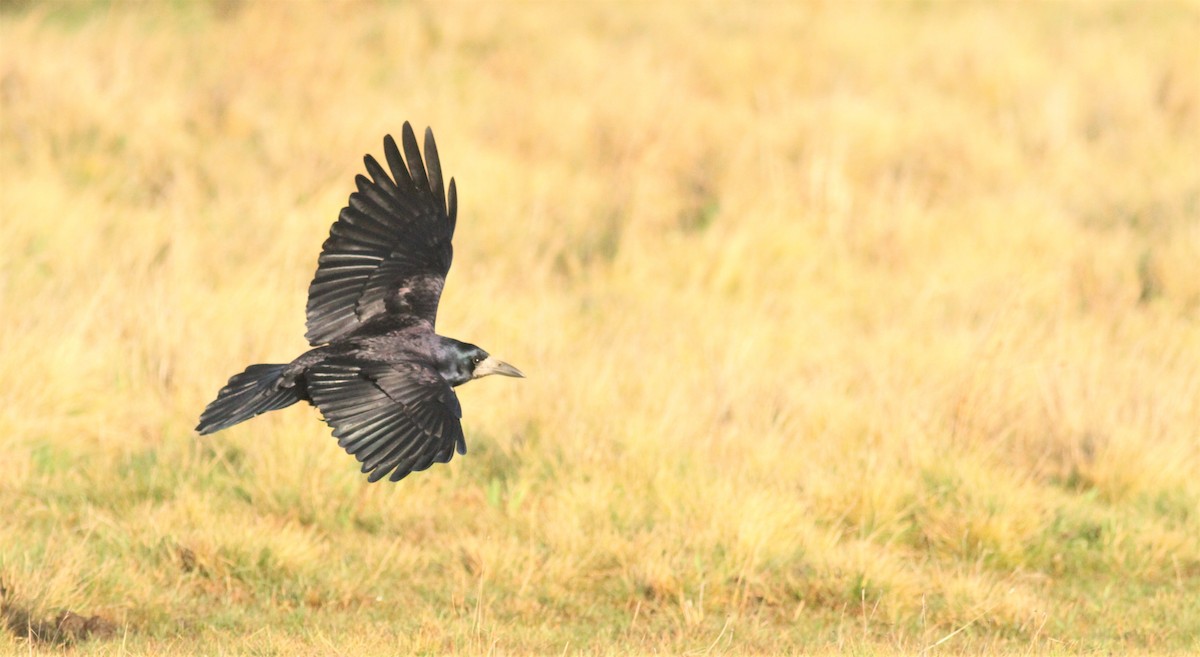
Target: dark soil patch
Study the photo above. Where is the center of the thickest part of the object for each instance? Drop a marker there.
(64, 628)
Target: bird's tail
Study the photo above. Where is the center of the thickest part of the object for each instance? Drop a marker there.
(248, 394)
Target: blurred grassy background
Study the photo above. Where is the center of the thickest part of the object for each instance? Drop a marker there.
(848, 327)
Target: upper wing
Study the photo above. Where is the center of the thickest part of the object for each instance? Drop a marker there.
(394, 418)
(389, 250)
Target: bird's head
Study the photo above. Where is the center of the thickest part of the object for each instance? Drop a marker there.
(460, 362)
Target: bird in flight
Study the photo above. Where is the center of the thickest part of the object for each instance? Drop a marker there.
(377, 371)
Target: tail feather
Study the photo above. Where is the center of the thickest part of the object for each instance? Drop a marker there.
(248, 394)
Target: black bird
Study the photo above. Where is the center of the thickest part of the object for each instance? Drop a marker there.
(378, 373)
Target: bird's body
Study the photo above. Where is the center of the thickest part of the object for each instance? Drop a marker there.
(379, 373)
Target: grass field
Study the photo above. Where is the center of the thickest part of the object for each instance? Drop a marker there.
(848, 329)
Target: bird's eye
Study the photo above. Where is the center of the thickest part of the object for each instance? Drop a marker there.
(478, 359)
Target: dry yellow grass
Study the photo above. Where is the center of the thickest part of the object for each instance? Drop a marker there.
(848, 328)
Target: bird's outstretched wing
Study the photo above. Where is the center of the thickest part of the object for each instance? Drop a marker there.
(394, 418)
(389, 250)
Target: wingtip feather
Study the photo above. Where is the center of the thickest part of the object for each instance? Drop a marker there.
(412, 153)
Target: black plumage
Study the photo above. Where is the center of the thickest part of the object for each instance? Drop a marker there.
(380, 375)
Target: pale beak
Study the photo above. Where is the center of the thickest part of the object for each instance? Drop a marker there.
(493, 365)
